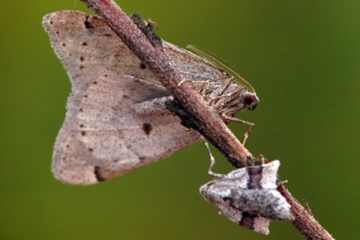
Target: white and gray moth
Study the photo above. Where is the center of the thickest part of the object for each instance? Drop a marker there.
(248, 196)
(116, 118)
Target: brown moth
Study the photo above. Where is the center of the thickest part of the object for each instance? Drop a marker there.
(116, 117)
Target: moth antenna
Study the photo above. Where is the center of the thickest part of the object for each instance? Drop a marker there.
(75, 3)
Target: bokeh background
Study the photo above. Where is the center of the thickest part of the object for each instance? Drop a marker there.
(303, 58)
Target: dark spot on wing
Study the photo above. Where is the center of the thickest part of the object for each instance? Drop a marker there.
(105, 75)
(142, 66)
(83, 133)
(57, 32)
(67, 146)
(84, 44)
(82, 125)
(126, 96)
(82, 58)
(108, 35)
(85, 96)
(63, 44)
(87, 23)
(95, 82)
(51, 22)
(82, 67)
(147, 127)
(81, 110)
(90, 149)
(98, 174)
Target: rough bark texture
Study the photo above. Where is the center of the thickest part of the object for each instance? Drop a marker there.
(210, 124)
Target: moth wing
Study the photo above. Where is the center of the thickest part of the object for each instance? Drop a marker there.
(116, 119)
(255, 222)
(270, 175)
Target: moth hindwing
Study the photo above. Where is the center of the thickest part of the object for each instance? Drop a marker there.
(249, 196)
(116, 118)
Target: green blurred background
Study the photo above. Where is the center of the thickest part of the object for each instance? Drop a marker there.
(303, 58)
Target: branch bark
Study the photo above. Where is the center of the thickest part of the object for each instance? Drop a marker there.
(211, 126)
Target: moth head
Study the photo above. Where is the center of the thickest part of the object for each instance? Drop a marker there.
(250, 100)
(216, 192)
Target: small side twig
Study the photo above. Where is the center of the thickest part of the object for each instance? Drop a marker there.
(211, 126)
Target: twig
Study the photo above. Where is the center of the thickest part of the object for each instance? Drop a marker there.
(211, 126)
(304, 221)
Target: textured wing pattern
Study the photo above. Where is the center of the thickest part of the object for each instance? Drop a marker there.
(116, 119)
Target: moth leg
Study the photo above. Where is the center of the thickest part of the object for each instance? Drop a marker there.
(228, 82)
(148, 28)
(250, 125)
(183, 81)
(216, 101)
(204, 89)
(283, 182)
(212, 162)
(308, 208)
(202, 86)
(219, 102)
(192, 81)
(226, 99)
(262, 158)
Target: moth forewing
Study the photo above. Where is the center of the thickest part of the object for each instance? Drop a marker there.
(116, 119)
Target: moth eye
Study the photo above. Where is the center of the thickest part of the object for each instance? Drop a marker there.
(251, 101)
